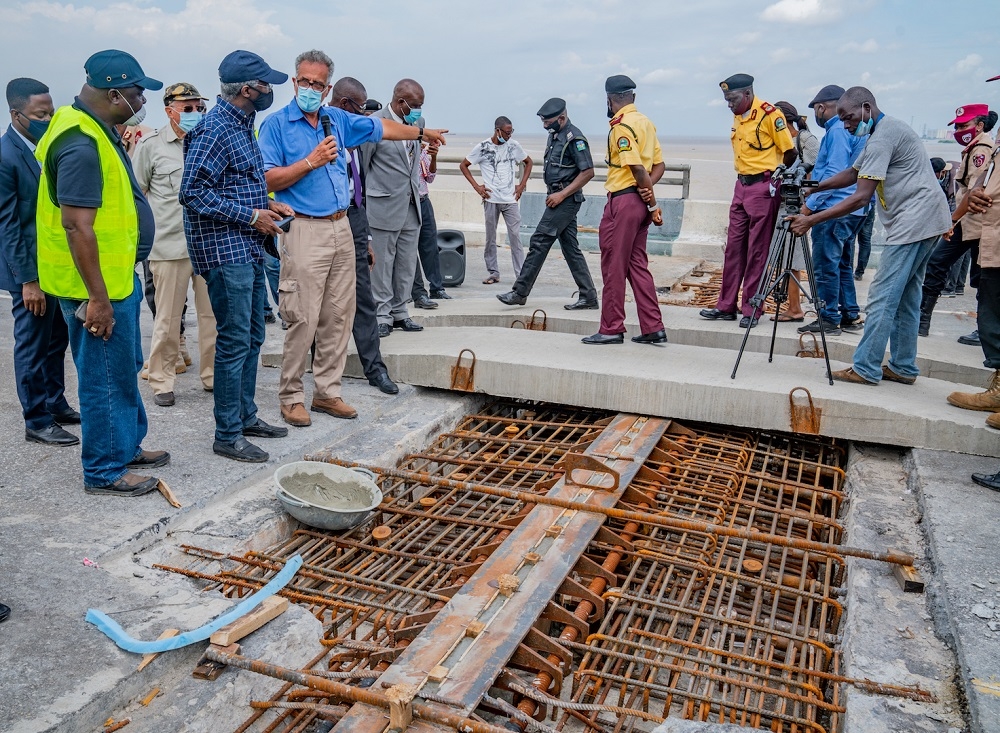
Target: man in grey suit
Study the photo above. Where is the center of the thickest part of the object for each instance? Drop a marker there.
(393, 205)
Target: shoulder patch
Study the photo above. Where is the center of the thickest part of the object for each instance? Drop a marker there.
(779, 123)
(978, 160)
(768, 108)
(581, 145)
(624, 144)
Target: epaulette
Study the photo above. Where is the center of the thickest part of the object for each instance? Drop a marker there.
(768, 108)
(617, 120)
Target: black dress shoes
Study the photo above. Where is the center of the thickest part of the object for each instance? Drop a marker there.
(512, 298)
(658, 337)
(748, 322)
(714, 314)
(422, 301)
(70, 417)
(261, 429)
(240, 449)
(408, 324)
(52, 435)
(384, 329)
(440, 295)
(382, 381)
(582, 305)
(602, 339)
(990, 481)
(164, 399)
(4, 613)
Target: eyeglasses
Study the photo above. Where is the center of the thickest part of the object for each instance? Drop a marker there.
(507, 135)
(200, 107)
(265, 90)
(316, 86)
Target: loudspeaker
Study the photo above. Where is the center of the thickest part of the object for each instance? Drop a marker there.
(451, 253)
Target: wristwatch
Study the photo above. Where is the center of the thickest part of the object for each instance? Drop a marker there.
(420, 126)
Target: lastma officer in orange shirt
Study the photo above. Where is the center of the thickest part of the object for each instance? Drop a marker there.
(635, 164)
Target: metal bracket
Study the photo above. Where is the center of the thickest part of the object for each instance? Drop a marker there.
(580, 462)
(463, 378)
(804, 418)
(816, 352)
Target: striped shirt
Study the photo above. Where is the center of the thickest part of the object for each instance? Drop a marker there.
(223, 183)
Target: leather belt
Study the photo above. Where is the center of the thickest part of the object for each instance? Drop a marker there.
(335, 216)
(630, 189)
(755, 178)
(556, 187)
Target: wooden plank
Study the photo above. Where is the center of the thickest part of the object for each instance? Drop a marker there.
(270, 608)
(909, 578)
(168, 494)
(147, 658)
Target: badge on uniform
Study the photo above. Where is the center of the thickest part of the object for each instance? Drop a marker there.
(978, 160)
(581, 145)
(569, 135)
(779, 124)
(624, 144)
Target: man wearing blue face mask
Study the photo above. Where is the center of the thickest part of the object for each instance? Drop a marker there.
(159, 164)
(40, 336)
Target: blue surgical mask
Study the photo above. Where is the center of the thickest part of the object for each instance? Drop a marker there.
(500, 138)
(864, 127)
(37, 128)
(412, 116)
(188, 120)
(308, 99)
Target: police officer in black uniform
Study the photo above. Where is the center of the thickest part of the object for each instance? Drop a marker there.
(568, 168)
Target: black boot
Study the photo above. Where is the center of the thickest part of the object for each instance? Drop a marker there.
(926, 310)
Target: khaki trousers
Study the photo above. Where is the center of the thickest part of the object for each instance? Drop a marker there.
(316, 296)
(170, 279)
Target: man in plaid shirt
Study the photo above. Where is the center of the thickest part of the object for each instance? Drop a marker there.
(227, 219)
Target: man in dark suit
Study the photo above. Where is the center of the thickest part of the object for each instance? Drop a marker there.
(40, 336)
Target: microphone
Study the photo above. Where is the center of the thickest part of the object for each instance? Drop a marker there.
(327, 130)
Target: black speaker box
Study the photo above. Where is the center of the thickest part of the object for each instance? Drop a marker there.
(451, 253)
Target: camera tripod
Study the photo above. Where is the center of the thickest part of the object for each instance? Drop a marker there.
(774, 283)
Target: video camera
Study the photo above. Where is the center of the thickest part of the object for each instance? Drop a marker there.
(790, 183)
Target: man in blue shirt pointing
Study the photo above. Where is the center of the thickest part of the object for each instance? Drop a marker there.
(833, 240)
(301, 146)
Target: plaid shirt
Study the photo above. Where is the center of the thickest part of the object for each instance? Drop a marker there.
(223, 183)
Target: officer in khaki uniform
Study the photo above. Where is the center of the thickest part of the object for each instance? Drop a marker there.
(761, 142)
(159, 163)
(635, 164)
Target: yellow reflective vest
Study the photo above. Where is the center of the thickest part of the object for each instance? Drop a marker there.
(116, 224)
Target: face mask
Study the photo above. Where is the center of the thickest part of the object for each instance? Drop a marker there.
(500, 138)
(36, 128)
(137, 117)
(554, 127)
(263, 101)
(189, 119)
(413, 115)
(864, 127)
(308, 99)
(610, 113)
(966, 136)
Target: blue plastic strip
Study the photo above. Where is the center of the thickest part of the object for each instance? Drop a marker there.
(117, 634)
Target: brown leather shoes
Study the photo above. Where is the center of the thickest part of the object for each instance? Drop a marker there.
(296, 415)
(988, 401)
(335, 407)
(890, 376)
(849, 375)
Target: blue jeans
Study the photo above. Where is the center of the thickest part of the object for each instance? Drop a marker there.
(865, 240)
(272, 268)
(238, 293)
(112, 415)
(833, 252)
(893, 311)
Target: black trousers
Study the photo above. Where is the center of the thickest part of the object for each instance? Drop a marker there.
(427, 250)
(946, 254)
(40, 344)
(365, 328)
(558, 223)
(988, 296)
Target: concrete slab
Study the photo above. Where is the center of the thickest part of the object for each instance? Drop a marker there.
(965, 597)
(688, 383)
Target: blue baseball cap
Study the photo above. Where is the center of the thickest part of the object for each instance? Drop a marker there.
(246, 66)
(114, 69)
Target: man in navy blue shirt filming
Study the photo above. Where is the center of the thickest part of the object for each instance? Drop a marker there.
(227, 219)
(301, 146)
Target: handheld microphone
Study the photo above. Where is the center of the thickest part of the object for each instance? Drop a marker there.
(327, 130)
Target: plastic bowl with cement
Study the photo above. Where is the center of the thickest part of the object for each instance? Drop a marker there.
(326, 496)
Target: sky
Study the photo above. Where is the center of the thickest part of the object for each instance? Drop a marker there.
(477, 60)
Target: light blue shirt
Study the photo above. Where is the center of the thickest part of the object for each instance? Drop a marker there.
(837, 152)
(286, 137)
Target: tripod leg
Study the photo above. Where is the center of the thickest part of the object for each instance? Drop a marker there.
(817, 303)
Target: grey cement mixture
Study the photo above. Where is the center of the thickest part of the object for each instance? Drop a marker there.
(319, 489)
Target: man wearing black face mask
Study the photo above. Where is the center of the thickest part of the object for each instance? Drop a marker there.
(93, 225)
(227, 220)
(568, 168)
(40, 337)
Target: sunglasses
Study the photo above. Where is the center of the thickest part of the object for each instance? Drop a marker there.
(200, 107)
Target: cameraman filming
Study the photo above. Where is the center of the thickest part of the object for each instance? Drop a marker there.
(833, 240)
(915, 214)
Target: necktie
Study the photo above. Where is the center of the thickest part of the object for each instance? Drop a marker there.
(357, 180)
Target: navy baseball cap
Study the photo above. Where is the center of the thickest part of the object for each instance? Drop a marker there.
(829, 93)
(113, 69)
(247, 66)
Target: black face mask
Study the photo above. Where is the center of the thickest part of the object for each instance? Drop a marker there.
(610, 113)
(263, 101)
(553, 127)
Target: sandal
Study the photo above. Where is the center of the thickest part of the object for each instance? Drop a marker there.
(491, 280)
(788, 319)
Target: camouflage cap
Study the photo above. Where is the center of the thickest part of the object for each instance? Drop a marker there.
(181, 91)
